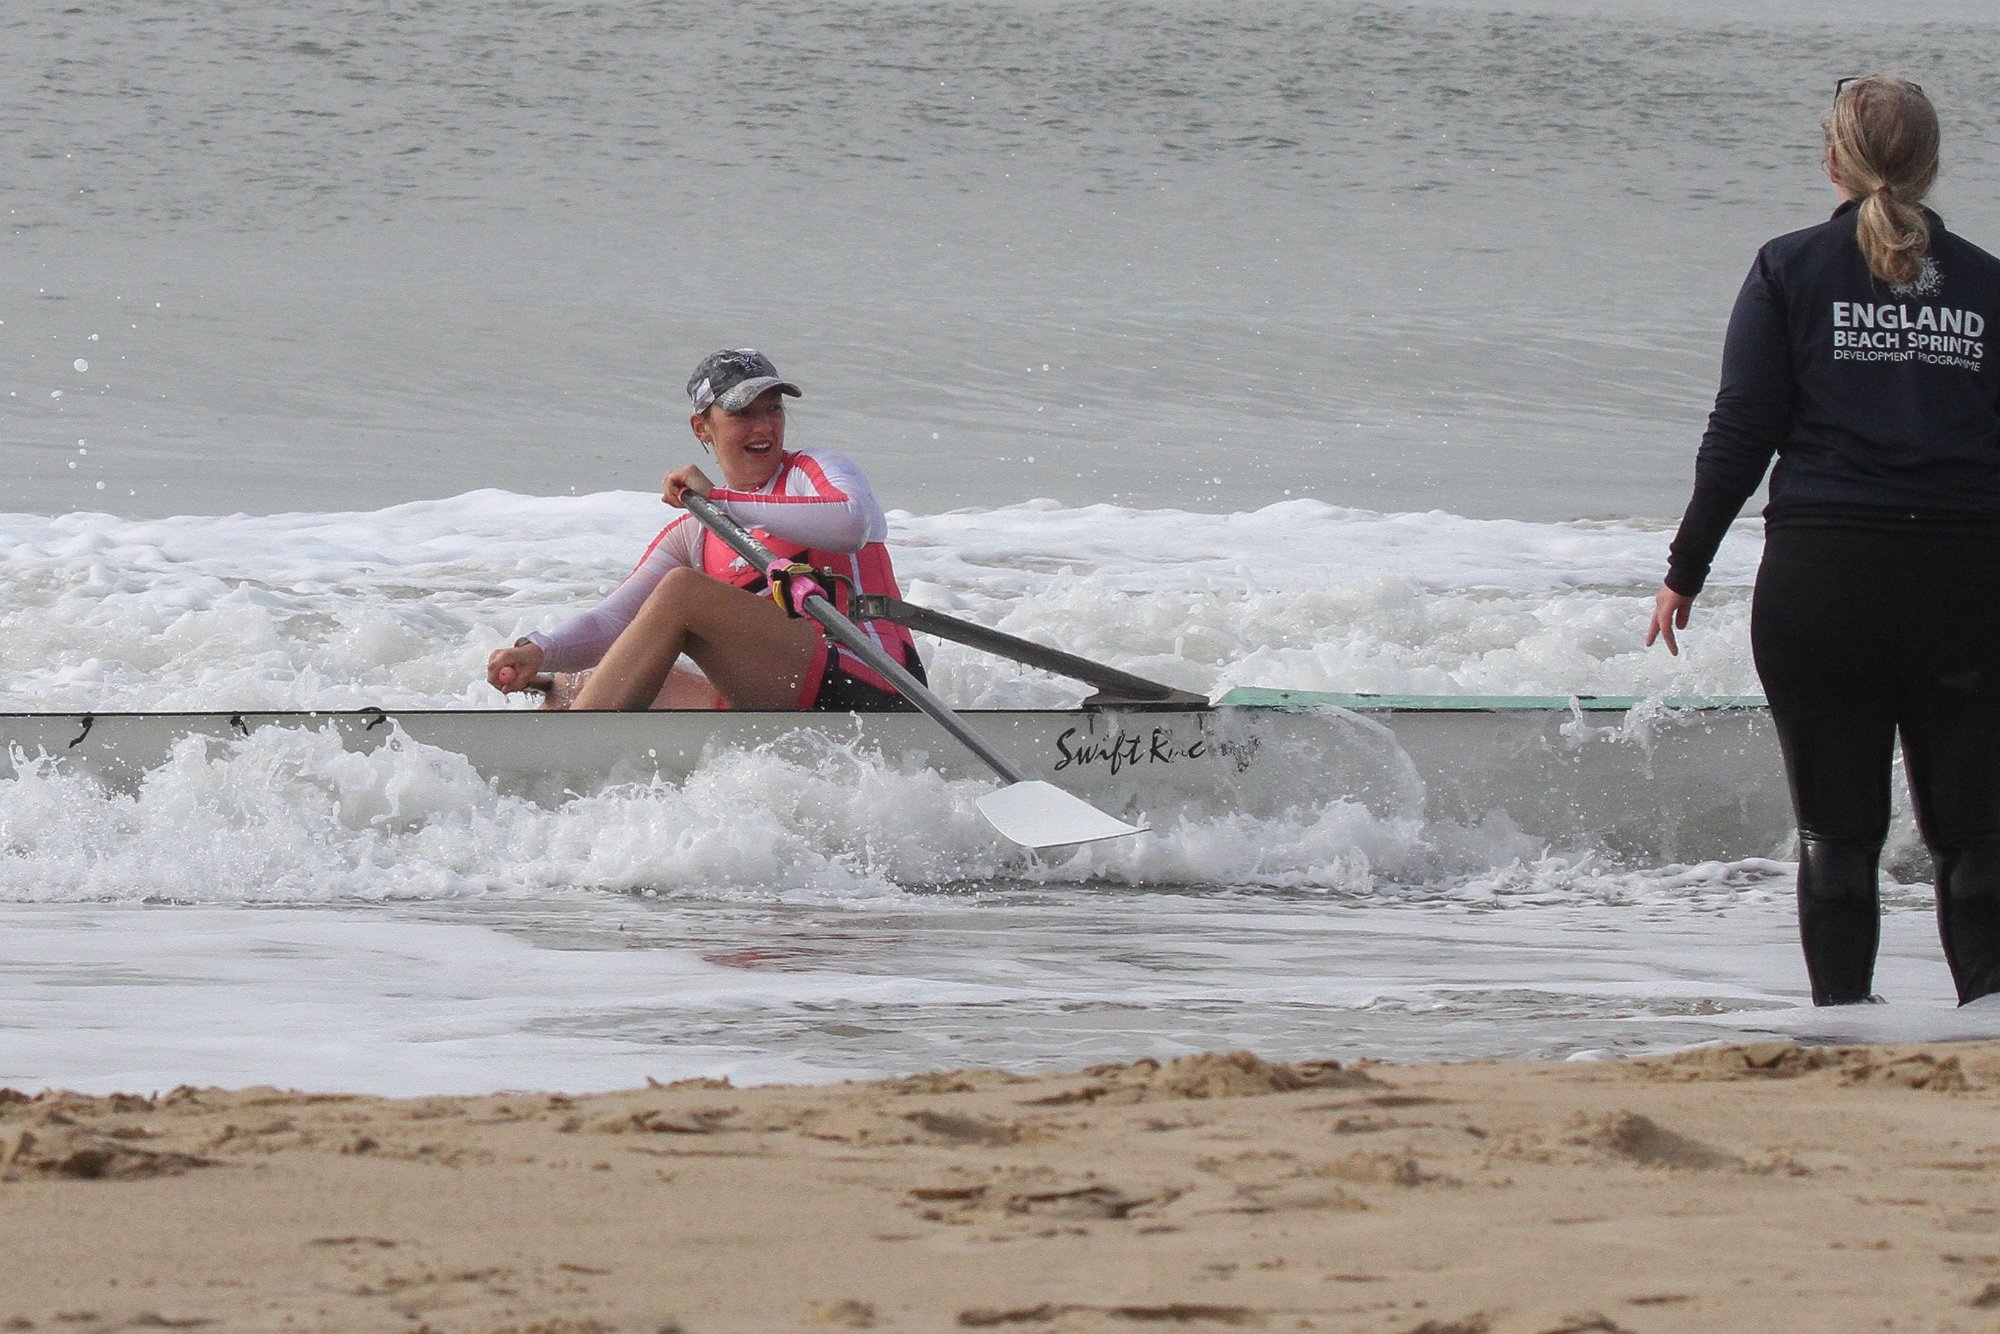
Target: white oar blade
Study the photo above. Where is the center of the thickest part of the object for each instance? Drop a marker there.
(1041, 815)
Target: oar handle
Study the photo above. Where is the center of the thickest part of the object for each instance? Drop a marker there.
(850, 636)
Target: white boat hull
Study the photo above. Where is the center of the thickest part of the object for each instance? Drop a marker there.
(1648, 781)
(1651, 783)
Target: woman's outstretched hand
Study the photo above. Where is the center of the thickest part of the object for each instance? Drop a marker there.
(510, 669)
(1670, 613)
(681, 481)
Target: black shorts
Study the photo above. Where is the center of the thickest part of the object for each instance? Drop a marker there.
(841, 693)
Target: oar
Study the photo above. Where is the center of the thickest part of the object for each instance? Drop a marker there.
(1113, 686)
(1029, 811)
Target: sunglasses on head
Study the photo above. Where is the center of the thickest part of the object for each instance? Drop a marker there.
(1841, 84)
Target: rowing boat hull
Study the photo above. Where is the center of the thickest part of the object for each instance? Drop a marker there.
(1647, 780)
(1642, 779)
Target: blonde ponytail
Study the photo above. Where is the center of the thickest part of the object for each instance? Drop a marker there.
(1882, 145)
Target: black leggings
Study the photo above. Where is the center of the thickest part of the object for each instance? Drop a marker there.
(1860, 637)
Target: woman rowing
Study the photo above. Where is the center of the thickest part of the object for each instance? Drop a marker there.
(1858, 356)
(691, 596)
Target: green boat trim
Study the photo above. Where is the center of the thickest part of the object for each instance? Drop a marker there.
(1262, 697)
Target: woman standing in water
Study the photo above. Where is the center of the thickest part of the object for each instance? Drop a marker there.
(1857, 355)
(692, 596)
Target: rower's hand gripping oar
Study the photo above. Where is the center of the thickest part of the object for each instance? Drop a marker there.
(1031, 812)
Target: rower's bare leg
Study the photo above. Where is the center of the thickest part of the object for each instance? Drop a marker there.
(754, 654)
(687, 689)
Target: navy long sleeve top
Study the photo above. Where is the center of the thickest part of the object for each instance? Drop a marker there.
(1880, 403)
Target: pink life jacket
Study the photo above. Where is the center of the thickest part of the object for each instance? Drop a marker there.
(800, 480)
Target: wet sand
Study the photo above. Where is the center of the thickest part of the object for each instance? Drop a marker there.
(1741, 1188)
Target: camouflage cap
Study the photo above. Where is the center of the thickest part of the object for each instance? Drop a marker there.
(734, 377)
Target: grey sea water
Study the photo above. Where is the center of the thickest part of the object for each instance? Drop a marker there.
(336, 254)
(1448, 278)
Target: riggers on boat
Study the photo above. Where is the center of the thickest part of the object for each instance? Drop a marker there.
(1675, 780)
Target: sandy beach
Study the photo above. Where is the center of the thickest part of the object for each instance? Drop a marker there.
(1741, 1188)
